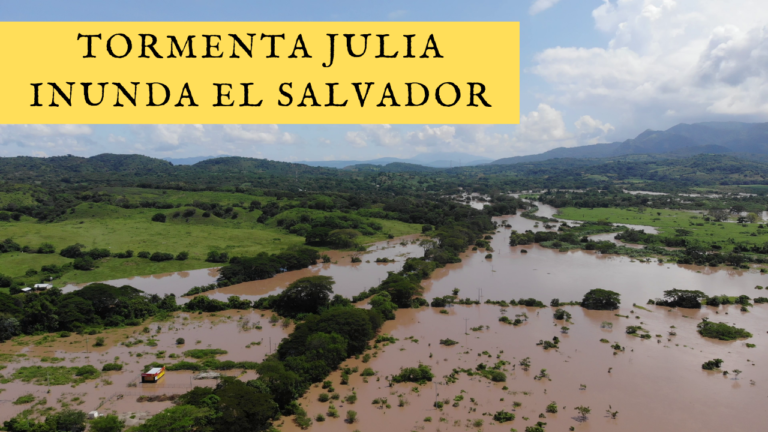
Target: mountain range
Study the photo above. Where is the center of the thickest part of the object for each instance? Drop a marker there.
(678, 141)
(432, 160)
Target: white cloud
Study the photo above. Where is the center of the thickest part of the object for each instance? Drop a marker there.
(382, 135)
(54, 139)
(539, 130)
(541, 5)
(221, 139)
(688, 57)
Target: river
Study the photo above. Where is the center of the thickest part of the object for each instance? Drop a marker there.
(655, 384)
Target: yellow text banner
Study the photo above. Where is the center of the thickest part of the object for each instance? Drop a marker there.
(256, 73)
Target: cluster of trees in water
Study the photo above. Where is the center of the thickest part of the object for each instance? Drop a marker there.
(85, 310)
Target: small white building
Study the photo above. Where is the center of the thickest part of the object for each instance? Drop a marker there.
(26, 290)
(93, 414)
(43, 286)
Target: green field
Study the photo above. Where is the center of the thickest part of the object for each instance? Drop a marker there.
(666, 221)
(100, 225)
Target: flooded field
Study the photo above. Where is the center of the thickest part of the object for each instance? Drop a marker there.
(134, 347)
(654, 384)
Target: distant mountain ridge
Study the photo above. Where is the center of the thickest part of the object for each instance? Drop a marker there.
(432, 160)
(682, 140)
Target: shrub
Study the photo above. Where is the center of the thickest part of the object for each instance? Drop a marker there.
(21, 400)
(503, 416)
(158, 217)
(161, 256)
(180, 341)
(721, 331)
(351, 416)
(712, 364)
(420, 374)
(143, 254)
(111, 367)
(182, 256)
(99, 342)
(367, 372)
(552, 407)
(324, 397)
(448, 342)
(84, 263)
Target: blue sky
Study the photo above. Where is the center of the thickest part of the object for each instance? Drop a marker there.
(592, 71)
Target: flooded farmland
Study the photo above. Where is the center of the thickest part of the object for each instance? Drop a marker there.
(654, 384)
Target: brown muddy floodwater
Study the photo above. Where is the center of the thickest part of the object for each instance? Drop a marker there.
(655, 384)
(232, 331)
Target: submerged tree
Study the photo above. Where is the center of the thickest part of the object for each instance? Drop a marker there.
(600, 299)
(583, 411)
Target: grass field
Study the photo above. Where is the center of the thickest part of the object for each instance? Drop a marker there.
(668, 220)
(105, 226)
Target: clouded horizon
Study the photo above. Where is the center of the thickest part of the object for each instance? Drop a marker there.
(591, 71)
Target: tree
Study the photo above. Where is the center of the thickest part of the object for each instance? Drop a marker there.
(583, 411)
(737, 372)
(343, 238)
(107, 423)
(243, 408)
(306, 295)
(183, 418)
(682, 298)
(752, 217)
(72, 251)
(351, 416)
(719, 215)
(84, 263)
(600, 299)
(67, 420)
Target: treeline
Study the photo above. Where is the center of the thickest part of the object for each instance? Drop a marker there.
(88, 309)
(616, 197)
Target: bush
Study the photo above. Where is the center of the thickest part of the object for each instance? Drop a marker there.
(46, 248)
(180, 341)
(111, 367)
(161, 256)
(552, 407)
(143, 254)
(448, 342)
(712, 364)
(182, 256)
(99, 342)
(503, 416)
(84, 263)
(158, 217)
(324, 397)
(216, 257)
(351, 416)
(420, 374)
(87, 372)
(722, 331)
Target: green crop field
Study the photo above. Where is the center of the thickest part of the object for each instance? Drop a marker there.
(100, 225)
(666, 221)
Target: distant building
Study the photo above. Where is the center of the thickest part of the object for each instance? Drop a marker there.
(26, 290)
(43, 286)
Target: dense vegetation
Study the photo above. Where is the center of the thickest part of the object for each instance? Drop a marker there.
(88, 309)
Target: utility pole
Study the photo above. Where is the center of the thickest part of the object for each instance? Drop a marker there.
(270, 344)
(465, 326)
